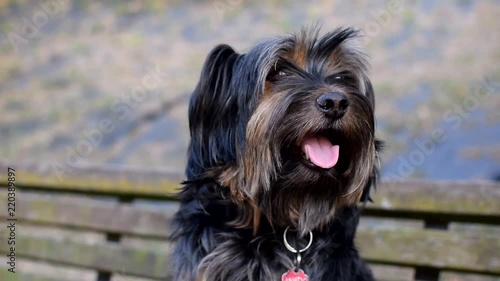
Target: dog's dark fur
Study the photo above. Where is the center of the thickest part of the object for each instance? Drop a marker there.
(246, 178)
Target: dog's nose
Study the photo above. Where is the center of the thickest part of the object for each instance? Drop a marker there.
(333, 104)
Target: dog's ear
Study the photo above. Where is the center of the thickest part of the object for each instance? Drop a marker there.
(211, 113)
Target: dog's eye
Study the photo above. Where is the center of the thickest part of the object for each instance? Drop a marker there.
(338, 77)
(277, 74)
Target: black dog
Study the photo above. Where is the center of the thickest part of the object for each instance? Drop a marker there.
(282, 150)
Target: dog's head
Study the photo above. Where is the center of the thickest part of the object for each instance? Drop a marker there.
(287, 127)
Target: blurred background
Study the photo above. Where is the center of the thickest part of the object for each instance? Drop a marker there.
(108, 84)
(68, 68)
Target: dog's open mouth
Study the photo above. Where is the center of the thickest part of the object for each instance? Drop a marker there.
(319, 151)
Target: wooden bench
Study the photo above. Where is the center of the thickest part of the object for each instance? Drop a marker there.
(104, 223)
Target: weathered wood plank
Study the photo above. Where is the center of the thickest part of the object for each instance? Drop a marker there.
(21, 276)
(381, 273)
(475, 228)
(120, 277)
(93, 215)
(455, 276)
(403, 247)
(151, 182)
(29, 270)
(431, 248)
(460, 197)
(389, 223)
(105, 256)
(113, 217)
(392, 273)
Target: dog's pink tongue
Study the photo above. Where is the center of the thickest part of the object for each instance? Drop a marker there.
(321, 152)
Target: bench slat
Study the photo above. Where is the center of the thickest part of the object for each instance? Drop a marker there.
(403, 247)
(455, 276)
(461, 197)
(432, 248)
(113, 217)
(119, 277)
(28, 269)
(105, 256)
(93, 215)
(157, 183)
(392, 273)
(417, 246)
(20, 276)
(108, 216)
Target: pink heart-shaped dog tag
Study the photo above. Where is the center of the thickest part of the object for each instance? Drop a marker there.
(293, 275)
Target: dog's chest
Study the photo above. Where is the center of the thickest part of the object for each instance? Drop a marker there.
(266, 258)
